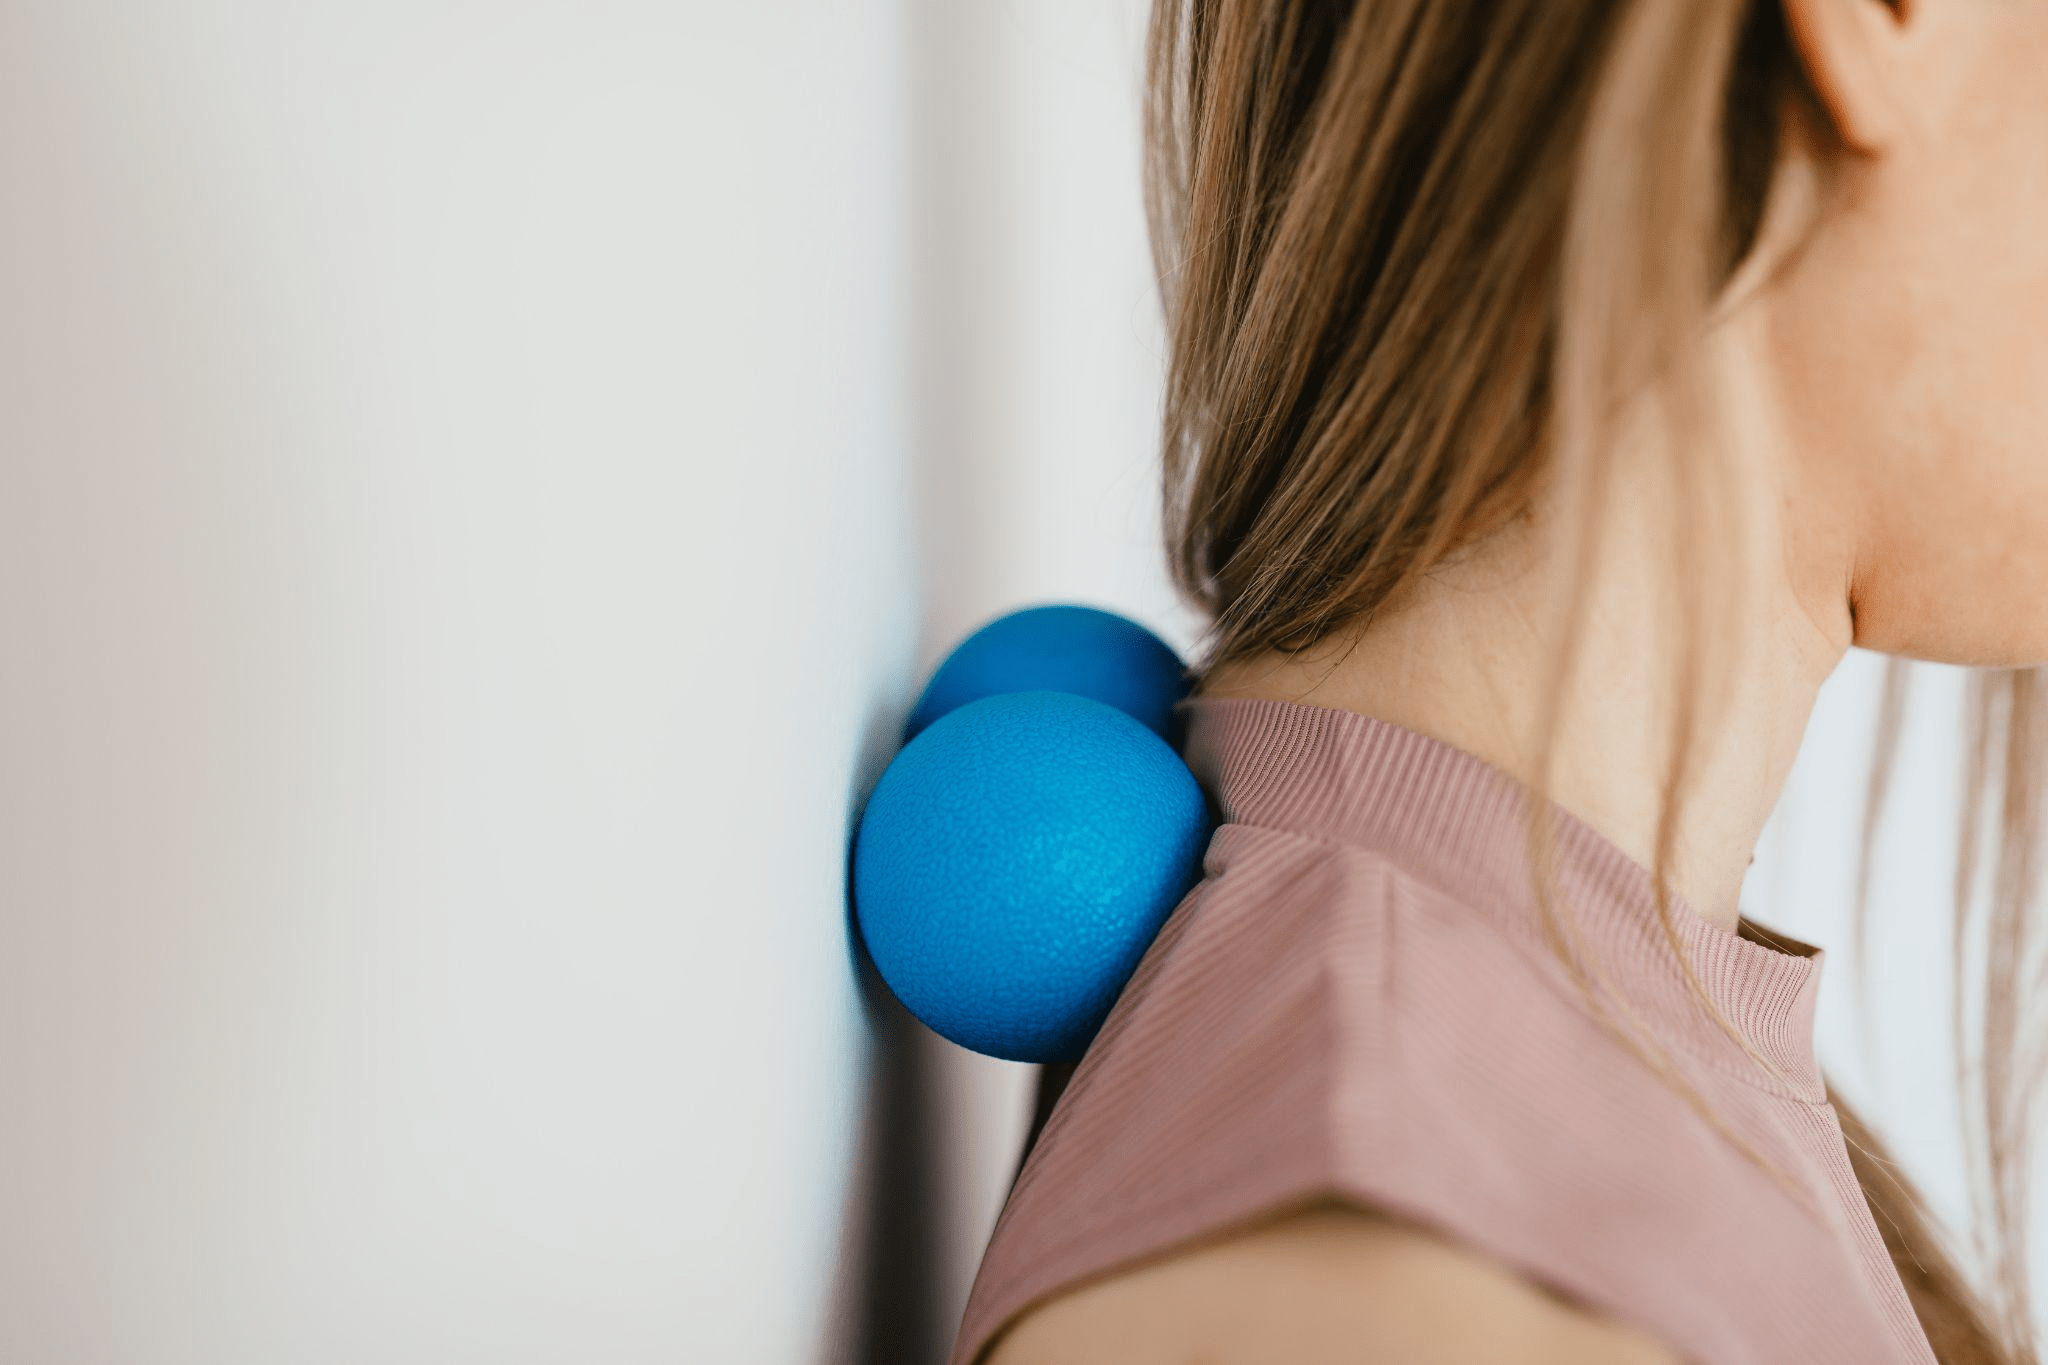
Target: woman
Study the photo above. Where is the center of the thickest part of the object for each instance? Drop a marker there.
(1557, 390)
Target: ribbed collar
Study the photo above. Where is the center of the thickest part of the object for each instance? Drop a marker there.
(1456, 821)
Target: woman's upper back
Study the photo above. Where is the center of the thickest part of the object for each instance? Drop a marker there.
(1357, 1003)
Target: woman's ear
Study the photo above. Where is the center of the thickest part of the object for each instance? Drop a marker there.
(1851, 52)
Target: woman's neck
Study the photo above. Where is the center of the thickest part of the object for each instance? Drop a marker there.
(1463, 658)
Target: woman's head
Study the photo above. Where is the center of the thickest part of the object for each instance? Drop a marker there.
(1406, 253)
(1425, 264)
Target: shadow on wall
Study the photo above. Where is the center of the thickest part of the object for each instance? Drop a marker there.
(886, 1304)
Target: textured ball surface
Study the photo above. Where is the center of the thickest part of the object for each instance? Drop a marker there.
(1014, 863)
(1061, 648)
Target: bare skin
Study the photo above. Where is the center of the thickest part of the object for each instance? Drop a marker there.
(1328, 1285)
(1884, 360)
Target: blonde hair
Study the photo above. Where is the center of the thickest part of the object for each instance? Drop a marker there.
(1414, 254)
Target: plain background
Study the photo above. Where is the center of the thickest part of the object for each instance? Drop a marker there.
(480, 486)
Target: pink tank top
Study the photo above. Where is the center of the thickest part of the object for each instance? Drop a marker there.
(1356, 1001)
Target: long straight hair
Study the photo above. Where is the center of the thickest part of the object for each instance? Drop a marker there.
(1413, 254)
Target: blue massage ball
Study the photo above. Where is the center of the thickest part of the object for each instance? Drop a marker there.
(1062, 647)
(1016, 860)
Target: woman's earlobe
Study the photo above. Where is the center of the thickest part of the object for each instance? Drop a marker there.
(1849, 49)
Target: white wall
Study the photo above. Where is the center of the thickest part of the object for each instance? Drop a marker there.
(456, 570)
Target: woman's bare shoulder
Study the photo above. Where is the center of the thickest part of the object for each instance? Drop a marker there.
(1329, 1283)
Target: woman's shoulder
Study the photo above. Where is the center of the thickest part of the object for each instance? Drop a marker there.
(1313, 1020)
(1327, 1283)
